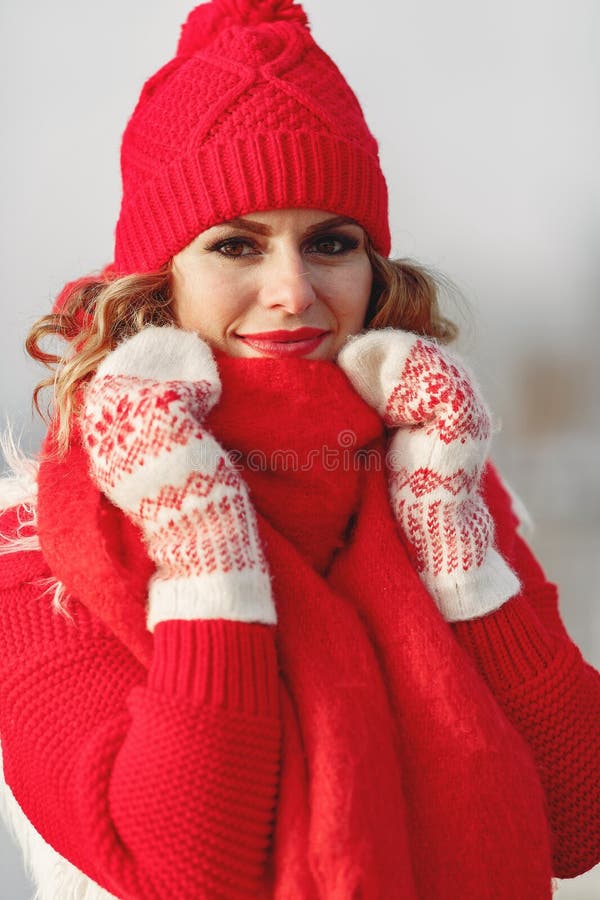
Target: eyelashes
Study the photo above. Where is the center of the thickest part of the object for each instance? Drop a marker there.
(328, 245)
(345, 242)
(229, 246)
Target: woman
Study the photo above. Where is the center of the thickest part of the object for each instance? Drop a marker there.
(267, 625)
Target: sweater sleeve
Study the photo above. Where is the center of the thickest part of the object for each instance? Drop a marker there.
(548, 692)
(156, 784)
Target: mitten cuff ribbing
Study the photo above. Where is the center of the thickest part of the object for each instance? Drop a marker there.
(476, 592)
(243, 596)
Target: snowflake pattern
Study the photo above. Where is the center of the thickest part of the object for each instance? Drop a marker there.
(128, 420)
(433, 391)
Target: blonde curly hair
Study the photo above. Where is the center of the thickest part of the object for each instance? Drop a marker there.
(98, 312)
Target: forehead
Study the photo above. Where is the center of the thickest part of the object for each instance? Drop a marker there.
(276, 220)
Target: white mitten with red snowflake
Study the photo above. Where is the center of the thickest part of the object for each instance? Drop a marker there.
(150, 453)
(438, 448)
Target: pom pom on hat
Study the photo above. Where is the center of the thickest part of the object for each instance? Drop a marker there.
(251, 115)
(206, 21)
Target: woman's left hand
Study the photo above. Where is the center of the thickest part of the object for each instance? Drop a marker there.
(440, 432)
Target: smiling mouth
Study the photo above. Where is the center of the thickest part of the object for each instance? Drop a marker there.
(297, 342)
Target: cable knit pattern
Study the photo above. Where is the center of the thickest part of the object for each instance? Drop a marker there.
(251, 114)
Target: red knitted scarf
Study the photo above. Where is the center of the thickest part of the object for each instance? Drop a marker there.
(400, 776)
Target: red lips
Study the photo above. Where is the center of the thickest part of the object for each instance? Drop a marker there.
(297, 334)
(297, 342)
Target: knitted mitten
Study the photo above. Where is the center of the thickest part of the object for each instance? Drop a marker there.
(142, 426)
(438, 448)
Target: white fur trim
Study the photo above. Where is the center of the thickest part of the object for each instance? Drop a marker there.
(55, 877)
(19, 488)
(526, 526)
(19, 485)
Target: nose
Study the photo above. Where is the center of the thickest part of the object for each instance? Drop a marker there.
(287, 283)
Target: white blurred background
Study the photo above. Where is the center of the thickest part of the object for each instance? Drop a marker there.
(488, 118)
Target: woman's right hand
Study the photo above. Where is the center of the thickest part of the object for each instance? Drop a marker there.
(142, 426)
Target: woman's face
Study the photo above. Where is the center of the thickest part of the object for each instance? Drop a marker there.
(291, 282)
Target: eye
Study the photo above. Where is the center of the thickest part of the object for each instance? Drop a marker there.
(333, 244)
(234, 248)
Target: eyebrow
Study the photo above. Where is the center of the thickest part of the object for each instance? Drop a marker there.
(260, 228)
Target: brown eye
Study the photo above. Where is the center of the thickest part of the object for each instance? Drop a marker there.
(328, 245)
(234, 248)
(333, 244)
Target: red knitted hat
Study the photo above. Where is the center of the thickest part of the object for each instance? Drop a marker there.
(250, 115)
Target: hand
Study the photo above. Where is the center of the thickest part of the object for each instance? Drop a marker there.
(142, 426)
(439, 444)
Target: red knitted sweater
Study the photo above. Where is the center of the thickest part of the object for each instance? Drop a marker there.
(353, 751)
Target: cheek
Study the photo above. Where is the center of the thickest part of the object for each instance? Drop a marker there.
(204, 303)
(354, 297)
(183, 293)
